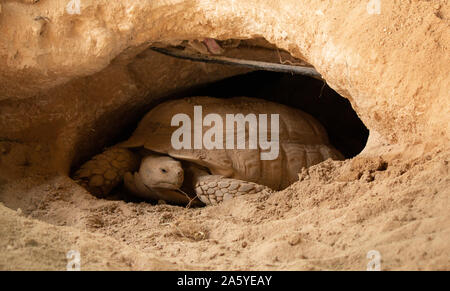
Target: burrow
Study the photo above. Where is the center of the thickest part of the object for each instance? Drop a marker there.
(346, 131)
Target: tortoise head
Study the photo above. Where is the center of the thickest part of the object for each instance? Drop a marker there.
(161, 172)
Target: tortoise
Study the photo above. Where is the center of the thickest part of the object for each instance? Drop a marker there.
(151, 167)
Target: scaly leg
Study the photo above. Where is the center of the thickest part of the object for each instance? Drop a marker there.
(106, 170)
(213, 189)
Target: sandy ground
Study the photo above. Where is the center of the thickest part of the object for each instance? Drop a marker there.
(329, 220)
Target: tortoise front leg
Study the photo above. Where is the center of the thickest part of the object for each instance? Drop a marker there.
(213, 189)
(106, 170)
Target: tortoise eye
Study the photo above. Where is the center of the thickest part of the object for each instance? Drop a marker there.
(163, 170)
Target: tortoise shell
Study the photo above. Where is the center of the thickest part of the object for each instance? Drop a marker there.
(303, 141)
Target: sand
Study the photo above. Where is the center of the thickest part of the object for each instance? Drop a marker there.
(329, 220)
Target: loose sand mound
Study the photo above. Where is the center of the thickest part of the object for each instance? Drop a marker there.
(329, 220)
(72, 83)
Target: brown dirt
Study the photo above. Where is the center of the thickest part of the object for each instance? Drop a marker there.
(329, 220)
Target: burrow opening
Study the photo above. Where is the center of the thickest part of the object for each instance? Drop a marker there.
(346, 131)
